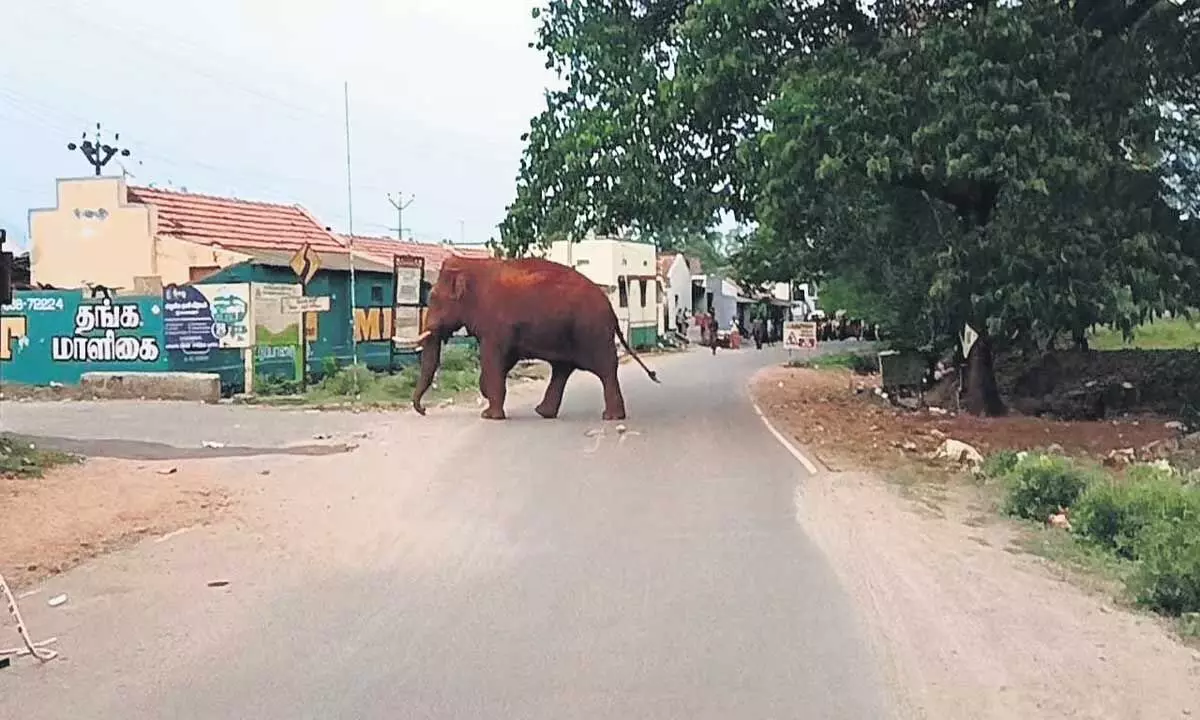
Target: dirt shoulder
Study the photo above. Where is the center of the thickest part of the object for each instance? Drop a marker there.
(965, 623)
(76, 512)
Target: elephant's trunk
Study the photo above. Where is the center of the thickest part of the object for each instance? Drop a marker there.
(431, 357)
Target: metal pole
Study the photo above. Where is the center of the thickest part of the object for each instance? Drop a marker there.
(350, 209)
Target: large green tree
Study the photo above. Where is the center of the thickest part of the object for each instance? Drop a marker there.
(1022, 168)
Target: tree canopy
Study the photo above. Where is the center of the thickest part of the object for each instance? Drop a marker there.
(1032, 169)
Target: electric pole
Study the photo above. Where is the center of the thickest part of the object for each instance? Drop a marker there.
(98, 153)
(400, 204)
(6, 272)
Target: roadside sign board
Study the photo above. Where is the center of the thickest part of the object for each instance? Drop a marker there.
(406, 325)
(799, 335)
(305, 263)
(408, 271)
(305, 304)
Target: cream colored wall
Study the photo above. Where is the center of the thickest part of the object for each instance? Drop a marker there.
(113, 246)
(593, 258)
(638, 259)
(110, 248)
(176, 258)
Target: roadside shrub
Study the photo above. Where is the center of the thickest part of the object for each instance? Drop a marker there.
(350, 380)
(1116, 513)
(1038, 485)
(1167, 578)
(864, 364)
(999, 464)
(458, 358)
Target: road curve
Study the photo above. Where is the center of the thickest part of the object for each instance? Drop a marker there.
(568, 571)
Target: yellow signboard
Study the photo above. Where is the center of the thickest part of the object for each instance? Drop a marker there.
(305, 263)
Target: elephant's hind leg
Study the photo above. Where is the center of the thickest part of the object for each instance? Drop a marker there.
(614, 401)
(552, 401)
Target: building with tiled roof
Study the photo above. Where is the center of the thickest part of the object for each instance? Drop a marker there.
(385, 248)
(104, 232)
(232, 222)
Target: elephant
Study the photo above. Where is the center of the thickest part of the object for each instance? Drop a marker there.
(521, 309)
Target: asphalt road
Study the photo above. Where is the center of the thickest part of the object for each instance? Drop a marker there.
(525, 569)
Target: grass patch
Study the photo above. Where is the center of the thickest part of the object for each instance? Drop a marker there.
(1141, 526)
(1084, 563)
(356, 385)
(1175, 333)
(21, 459)
(860, 363)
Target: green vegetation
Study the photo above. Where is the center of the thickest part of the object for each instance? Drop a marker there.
(1021, 167)
(849, 291)
(359, 386)
(1177, 333)
(21, 459)
(290, 335)
(860, 363)
(1146, 522)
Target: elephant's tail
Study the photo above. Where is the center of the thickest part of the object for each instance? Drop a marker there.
(621, 336)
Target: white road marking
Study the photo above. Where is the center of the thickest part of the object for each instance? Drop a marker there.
(808, 464)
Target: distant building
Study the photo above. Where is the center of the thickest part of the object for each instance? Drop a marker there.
(679, 293)
(104, 232)
(627, 271)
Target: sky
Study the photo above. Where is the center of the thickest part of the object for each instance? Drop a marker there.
(245, 98)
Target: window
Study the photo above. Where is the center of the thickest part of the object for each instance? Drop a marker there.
(622, 292)
(642, 290)
(198, 273)
(376, 294)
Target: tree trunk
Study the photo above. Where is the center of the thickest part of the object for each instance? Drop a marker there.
(982, 395)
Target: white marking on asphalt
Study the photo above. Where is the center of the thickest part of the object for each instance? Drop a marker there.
(808, 464)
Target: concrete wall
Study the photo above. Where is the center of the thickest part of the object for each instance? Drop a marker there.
(93, 235)
(678, 290)
(55, 336)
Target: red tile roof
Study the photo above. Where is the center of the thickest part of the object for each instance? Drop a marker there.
(383, 249)
(234, 223)
(665, 260)
(664, 263)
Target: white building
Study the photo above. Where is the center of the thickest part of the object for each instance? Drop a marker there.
(675, 270)
(721, 295)
(627, 271)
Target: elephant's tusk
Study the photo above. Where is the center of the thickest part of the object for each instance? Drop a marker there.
(423, 336)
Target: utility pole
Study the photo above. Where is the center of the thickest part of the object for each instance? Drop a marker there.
(400, 204)
(462, 232)
(98, 153)
(350, 212)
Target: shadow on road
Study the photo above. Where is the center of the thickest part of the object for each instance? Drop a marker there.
(143, 450)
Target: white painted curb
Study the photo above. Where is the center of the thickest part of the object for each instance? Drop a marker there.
(808, 464)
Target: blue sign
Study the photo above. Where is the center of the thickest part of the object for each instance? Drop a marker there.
(188, 323)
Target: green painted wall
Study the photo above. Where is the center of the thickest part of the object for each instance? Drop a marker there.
(373, 292)
(643, 337)
(56, 336)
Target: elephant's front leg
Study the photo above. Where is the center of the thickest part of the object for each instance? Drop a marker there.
(493, 373)
(554, 391)
(483, 376)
